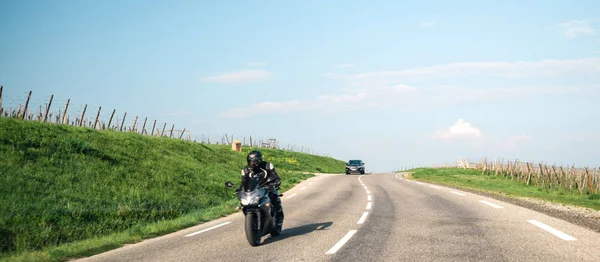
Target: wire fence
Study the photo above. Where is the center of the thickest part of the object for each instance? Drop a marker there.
(63, 112)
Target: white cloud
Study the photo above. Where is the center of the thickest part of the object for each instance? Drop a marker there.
(344, 65)
(460, 129)
(320, 103)
(403, 89)
(504, 69)
(577, 27)
(450, 95)
(256, 64)
(241, 76)
(267, 107)
(427, 24)
(343, 98)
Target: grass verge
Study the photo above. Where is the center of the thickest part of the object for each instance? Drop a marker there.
(70, 192)
(474, 180)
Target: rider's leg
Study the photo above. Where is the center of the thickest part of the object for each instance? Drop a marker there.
(276, 200)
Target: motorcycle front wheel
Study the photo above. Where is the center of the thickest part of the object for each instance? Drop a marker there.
(252, 233)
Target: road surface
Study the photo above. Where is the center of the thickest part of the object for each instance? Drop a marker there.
(379, 217)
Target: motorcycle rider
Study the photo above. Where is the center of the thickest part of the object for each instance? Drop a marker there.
(268, 177)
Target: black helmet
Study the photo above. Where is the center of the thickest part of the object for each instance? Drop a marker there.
(254, 158)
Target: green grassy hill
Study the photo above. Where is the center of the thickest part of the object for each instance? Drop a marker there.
(70, 191)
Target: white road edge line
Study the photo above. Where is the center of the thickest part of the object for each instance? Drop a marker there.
(362, 218)
(342, 241)
(369, 197)
(369, 205)
(490, 204)
(292, 195)
(436, 187)
(303, 188)
(552, 230)
(210, 228)
(454, 192)
(368, 192)
(420, 183)
(365, 187)
(310, 183)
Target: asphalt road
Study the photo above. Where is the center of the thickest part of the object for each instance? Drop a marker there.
(379, 217)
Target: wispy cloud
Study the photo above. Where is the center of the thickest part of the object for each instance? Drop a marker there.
(573, 28)
(498, 68)
(388, 89)
(319, 103)
(241, 76)
(427, 24)
(342, 98)
(460, 129)
(256, 64)
(344, 65)
(267, 107)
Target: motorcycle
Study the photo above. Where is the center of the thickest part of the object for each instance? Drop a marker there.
(258, 210)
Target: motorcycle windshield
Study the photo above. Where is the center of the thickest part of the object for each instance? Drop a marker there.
(249, 183)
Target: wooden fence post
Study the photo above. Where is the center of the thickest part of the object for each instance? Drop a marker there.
(1, 109)
(181, 135)
(144, 126)
(163, 130)
(97, 116)
(82, 115)
(65, 113)
(48, 108)
(26, 105)
(589, 181)
(41, 115)
(134, 128)
(111, 117)
(152, 134)
(123, 122)
(171, 135)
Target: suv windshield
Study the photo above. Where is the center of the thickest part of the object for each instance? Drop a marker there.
(354, 162)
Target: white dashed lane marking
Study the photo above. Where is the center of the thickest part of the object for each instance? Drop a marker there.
(454, 192)
(341, 243)
(210, 228)
(490, 204)
(553, 231)
(362, 218)
(369, 205)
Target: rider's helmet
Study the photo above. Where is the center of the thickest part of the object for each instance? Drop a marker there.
(254, 159)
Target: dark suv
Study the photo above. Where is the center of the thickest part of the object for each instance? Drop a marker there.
(355, 166)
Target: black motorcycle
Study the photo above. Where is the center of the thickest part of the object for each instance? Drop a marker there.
(257, 208)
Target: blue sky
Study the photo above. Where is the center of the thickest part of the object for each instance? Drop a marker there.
(393, 83)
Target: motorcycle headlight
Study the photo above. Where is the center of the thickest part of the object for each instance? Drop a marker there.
(249, 201)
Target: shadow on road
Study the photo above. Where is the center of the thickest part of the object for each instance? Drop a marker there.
(298, 231)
